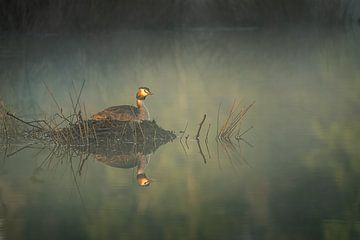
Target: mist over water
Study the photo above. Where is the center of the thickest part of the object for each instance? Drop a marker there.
(296, 178)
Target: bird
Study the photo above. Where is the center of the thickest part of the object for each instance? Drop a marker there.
(128, 160)
(127, 112)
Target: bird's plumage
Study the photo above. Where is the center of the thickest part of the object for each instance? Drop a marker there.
(127, 112)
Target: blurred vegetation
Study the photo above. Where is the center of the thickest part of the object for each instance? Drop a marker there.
(340, 156)
(93, 15)
(337, 133)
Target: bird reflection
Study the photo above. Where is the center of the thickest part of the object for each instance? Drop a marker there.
(136, 160)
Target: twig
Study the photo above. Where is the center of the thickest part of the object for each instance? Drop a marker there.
(207, 133)
(183, 132)
(201, 152)
(13, 116)
(186, 141)
(63, 117)
(19, 150)
(242, 139)
(217, 122)
(5, 130)
(218, 154)
(77, 186)
(240, 135)
(52, 96)
(60, 114)
(78, 98)
(229, 156)
(198, 132)
(207, 148)
(73, 107)
(82, 161)
(182, 145)
(38, 122)
(95, 135)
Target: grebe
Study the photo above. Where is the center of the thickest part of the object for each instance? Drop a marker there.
(131, 160)
(127, 112)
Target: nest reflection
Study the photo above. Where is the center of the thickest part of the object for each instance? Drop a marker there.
(128, 156)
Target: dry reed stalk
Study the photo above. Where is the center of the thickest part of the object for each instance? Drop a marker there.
(81, 134)
(64, 137)
(238, 119)
(79, 95)
(207, 133)
(5, 131)
(60, 114)
(228, 118)
(71, 134)
(218, 120)
(73, 107)
(86, 126)
(86, 132)
(238, 136)
(95, 135)
(54, 132)
(201, 123)
(233, 121)
(27, 123)
(64, 120)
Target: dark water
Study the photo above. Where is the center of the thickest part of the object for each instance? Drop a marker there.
(296, 178)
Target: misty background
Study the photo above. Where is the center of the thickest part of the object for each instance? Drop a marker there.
(97, 15)
(298, 59)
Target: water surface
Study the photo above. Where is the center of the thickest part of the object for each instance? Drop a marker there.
(296, 177)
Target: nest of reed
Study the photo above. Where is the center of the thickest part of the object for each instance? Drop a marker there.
(10, 129)
(105, 133)
(75, 129)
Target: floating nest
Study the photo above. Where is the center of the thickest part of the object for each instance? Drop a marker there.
(106, 133)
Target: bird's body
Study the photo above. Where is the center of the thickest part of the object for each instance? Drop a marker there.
(138, 160)
(123, 113)
(127, 112)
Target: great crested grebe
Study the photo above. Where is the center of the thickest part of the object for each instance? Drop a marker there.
(127, 112)
(131, 160)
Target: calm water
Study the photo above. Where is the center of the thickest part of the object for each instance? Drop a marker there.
(296, 178)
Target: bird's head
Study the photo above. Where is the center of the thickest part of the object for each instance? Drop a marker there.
(142, 93)
(142, 180)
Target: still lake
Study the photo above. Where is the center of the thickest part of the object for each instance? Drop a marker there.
(295, 175)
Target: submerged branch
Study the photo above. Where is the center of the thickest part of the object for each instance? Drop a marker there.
(183, 132)
(27, 123)
(198, 132)
(200, 150)
(207, 133)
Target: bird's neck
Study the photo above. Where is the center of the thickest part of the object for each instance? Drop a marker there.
(144, 160)
(140, 104)
(142, 109)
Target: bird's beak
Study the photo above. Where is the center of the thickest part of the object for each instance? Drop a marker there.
(150, 93)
